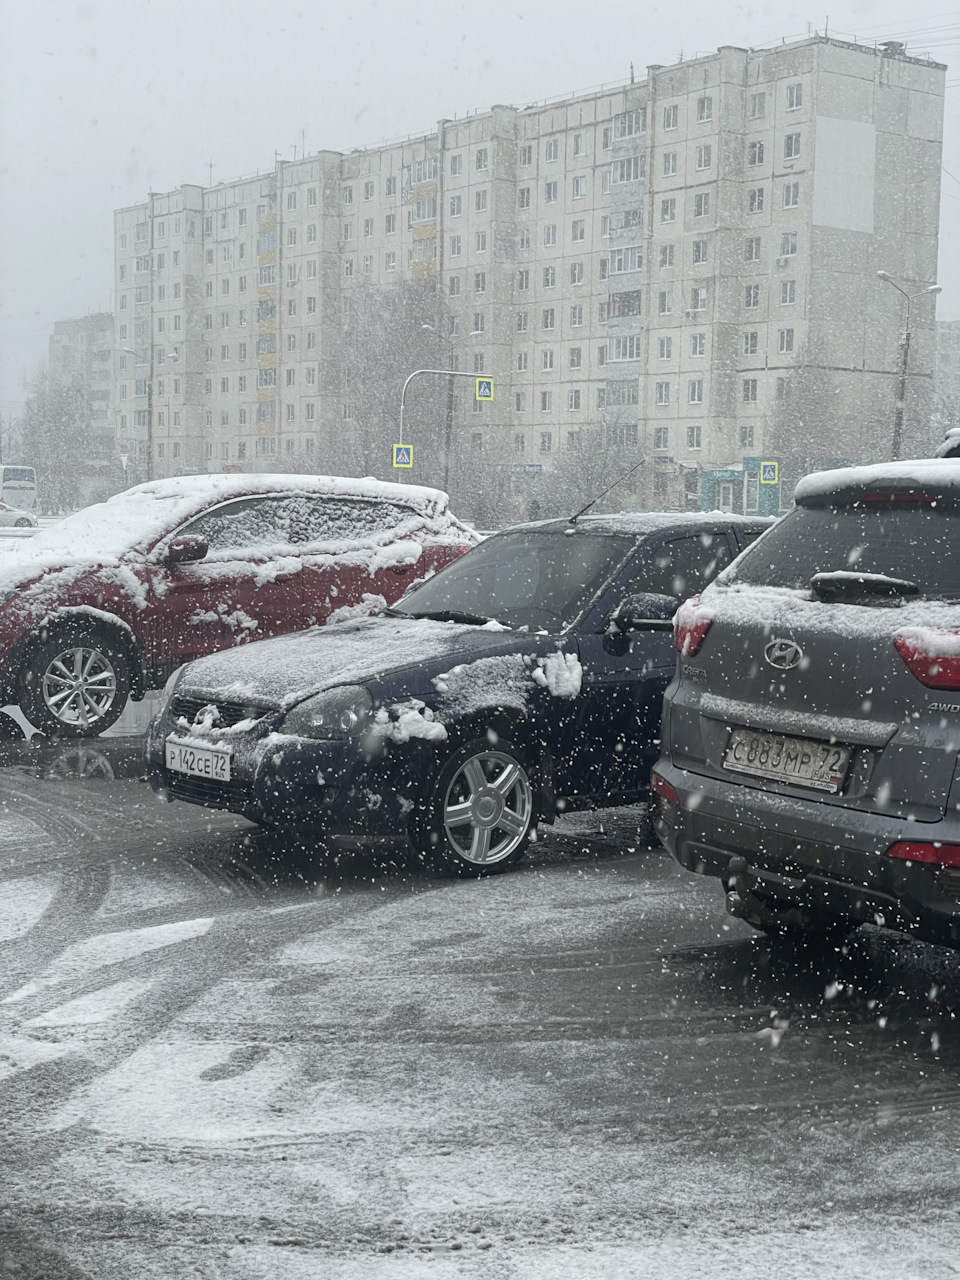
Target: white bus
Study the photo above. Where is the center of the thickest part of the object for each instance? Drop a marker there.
(18, 487)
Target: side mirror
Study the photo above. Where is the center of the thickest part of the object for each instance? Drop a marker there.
(187, 548)
(646, 611)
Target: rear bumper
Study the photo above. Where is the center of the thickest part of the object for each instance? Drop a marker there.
(799, 855)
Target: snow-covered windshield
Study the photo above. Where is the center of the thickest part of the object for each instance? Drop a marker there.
(916, 542)
(540, 580)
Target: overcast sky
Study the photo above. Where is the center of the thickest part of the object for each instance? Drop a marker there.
(101, 102)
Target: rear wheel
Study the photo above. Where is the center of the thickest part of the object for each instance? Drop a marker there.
(481, 810)
(22, 523)
(75, 684)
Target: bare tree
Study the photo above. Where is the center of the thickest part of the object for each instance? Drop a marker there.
(55, 439)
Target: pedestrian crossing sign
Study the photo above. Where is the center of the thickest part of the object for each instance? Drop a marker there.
(769, 472)
(403, 455)
(484, 388)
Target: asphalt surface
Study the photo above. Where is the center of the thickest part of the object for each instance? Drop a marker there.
(222, 1055)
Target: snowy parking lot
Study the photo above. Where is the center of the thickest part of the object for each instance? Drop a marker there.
(227, 1057)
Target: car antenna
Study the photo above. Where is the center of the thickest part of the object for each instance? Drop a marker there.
(583, 510)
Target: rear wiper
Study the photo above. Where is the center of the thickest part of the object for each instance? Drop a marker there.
(451, 615)
(844, 585)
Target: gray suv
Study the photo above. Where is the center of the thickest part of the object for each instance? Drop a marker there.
(811, 734)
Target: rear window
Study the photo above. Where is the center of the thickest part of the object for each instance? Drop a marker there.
(916, 541)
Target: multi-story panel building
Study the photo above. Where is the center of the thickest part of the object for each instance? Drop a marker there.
(683, 268)
(81, 357)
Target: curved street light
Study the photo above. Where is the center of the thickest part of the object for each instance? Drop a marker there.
(897, 442)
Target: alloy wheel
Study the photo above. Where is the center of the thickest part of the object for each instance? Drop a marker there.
(79, 686)
(488, 808)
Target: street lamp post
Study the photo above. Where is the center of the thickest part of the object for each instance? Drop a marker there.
(131, 352)
(897, 442)
(447, 373)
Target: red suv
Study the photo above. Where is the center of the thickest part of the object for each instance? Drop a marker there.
(105, 604)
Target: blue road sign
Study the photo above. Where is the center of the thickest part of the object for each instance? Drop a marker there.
(484, 388)
(769, 472)
(403, 455)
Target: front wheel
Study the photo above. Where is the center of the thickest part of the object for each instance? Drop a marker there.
(481, 809)
(22, 523)
(74, 685)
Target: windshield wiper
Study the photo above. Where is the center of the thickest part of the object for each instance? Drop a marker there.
(867, 588)
(450, 615)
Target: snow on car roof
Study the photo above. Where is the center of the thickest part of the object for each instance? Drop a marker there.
(937, 474)
(138, 517)
(638, 523)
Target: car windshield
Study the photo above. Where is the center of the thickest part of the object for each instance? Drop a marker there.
(539, 580)
(912, 541)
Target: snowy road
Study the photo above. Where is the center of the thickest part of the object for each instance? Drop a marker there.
(221, 1058)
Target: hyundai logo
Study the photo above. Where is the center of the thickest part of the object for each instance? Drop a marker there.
(783, 654)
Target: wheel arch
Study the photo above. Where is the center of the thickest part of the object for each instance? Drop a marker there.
(98, 620)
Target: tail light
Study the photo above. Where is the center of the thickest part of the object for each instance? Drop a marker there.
(933, 657)
(661, 787)
(690, 625)
(943, 855)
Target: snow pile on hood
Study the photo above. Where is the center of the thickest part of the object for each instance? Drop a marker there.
(561, 673)
(406, 720)
(369, 604)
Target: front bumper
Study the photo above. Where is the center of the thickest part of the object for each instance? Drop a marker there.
(798, 855)
(331, 787)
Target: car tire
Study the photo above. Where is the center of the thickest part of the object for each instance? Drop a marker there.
(74, 684)
(21, 524)
(481, 809)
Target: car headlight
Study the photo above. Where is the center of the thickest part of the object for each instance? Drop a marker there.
(337, 713)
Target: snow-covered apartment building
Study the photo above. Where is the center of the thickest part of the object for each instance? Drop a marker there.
(658, 260)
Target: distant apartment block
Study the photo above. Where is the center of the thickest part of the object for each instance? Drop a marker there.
(664, 265)
(81, 353)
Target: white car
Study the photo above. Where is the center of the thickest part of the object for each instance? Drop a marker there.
(14, 518)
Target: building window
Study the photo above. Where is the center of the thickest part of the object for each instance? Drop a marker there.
(699, 250)
(783, 388)
(579, 187)
(480, 242)
(755, 200)
(548, 321)
(788, 244)
(704, 109)
(661, 437)
(390, 185)
(456, 166)
(549, 277)
(665, 348)
(701, 204)
(390, 223)
(755, 153)
(521, 322)
(630, 169)
(757, 107)
(666, 255)
(523, 279)
(546, 437)
(526, 155)
(663, 392)
(573, 399)
(788, 292)
(576, 316)
(480, 202)
(749, 391)
(698, 298)
(695, 391)
(668, 210)
(523, 198)
(751, 249)
(694, 436)
(576, 273)
(671, 117)
(481, 159)
(477, 322)
(578, 229)
(704, 156)
(791, 195)
(575, 356)
(698, 344)
(550, 234)
(522, 361)
(751, 295)
(747, 431)
(627, 348)
(785, 341)
(665, 302)
(550, 192)
(791, 146)
(453, 286)
(629, 258)
(390, 261)
(794, 97)
(546, 401)
(750, 343)
(480, 282)
(669, 164)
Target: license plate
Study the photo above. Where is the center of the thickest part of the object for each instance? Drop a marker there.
(198, 762)
(800, 761)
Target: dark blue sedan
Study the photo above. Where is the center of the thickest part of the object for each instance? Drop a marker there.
(523, 679)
